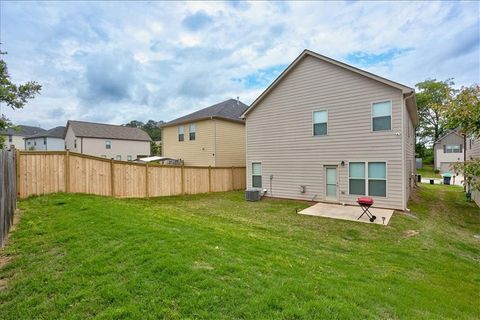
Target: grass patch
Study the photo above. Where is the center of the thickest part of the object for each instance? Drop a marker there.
(428, 172)
(216, 256)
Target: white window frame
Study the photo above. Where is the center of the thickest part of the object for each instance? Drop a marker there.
(129, 158)
(367, 191)
(261, 172)
(313, 123)
(190, 131)
(10, 139)
(391, 115)
(118, 157)
(451, 148)
(108, 144)
(183, 133)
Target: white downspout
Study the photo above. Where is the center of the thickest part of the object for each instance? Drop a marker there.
(404, 203)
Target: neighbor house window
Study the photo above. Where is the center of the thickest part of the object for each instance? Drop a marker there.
(320, 123)
(108, 144)
(28, 142)
(382, 116)
(376, 183)
(118, 157)
(356, 175)
(181, 133)
(191, 129)
(103, 156)
(377, 179)
(44, 140)
(75, 143)
(452, 148)
(10, 139)
(129, 158)
(256, 175)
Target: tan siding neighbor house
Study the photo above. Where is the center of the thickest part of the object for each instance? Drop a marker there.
(448, 150)
(326, 131)
(214, 136)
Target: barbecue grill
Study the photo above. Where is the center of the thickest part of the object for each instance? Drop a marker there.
(365, 203)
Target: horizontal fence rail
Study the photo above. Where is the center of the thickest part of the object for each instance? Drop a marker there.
(8, 195)
(43, 172)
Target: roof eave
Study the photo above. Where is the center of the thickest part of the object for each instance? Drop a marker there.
(166, 125)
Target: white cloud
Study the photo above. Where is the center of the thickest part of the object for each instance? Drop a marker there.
(161, 67)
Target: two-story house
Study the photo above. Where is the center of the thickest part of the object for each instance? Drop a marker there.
(107, 140)
(49, 140)
(447, 150)
(327, 131)
(213, 136)
(14, 137)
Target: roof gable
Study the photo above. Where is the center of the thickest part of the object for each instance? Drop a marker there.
(57, 132)
(405, 89)
(106, 131)
(230, 109)
(22, 130)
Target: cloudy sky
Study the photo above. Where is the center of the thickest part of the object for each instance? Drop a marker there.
(115, 62)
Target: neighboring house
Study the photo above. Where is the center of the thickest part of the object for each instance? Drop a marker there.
(106, 140)
(327, 131)
(473, 149)
(49, 140)
(14, 136)
(214, 136)
(448, 150)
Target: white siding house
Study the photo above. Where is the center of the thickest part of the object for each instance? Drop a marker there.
(448, 150)
(106, 140)
(326, 131)
(50, 140)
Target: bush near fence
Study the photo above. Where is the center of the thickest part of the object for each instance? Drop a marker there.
(8, 196)
(43, 172)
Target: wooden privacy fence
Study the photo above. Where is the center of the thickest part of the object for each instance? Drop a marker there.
(8, 196)
(64, 171)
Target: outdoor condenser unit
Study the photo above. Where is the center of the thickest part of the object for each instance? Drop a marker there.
(252, 194)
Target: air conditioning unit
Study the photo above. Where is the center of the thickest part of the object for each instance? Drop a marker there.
(252, 194)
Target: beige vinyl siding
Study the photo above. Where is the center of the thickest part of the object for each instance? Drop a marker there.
(123, 148)
(279, 133)
(409, 146)
(69, 140)
(230, 143)
(474, 151)
(200, 152)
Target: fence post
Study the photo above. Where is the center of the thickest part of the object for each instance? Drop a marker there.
(67, 171)
(233, 185)
(112, 178)
(183, 179)
(147, 183)
(209, 178)
(17, 171)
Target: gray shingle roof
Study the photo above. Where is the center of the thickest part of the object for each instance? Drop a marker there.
(23, 131)
(57, 132)
(229, 110)
(107, 131)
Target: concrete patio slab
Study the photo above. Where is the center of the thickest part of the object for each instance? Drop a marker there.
(337, 211)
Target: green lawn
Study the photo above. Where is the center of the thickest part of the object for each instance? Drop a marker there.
(216, 256)
(428, 172)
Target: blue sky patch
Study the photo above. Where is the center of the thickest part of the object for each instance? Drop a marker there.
(261, 78)
(369, 59)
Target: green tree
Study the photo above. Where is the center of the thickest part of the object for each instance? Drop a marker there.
(153, 129)
(463, 113)
(12, 95)
(432, 97)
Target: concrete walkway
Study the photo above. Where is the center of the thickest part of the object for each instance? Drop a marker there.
(337, 211)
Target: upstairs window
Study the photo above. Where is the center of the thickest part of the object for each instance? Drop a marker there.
(181, 133)
(382, 116)
(44, 140)
(108, 144)
(320, 123)
(10, 139)
(191, 129)
(256, 175)
(452, 148)
(75, 143)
